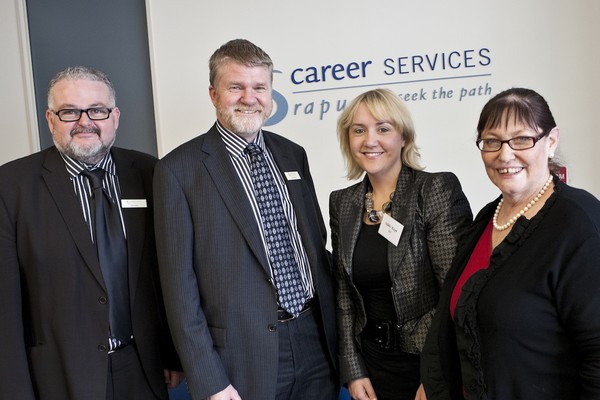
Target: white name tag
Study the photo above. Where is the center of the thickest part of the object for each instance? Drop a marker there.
(292, 175)
(390, 229)
(134, 203)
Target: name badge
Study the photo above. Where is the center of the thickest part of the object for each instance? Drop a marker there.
(390, 229)
(134, 203)
(292, 175)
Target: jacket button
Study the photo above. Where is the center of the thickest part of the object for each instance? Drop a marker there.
(102, 300)
(272, 328)
(102, 347)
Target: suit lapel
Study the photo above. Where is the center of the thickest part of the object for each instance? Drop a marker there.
(301, 198)
(60, 187)
(296, 192)
(404, 206)
(227, 184)
(351, 222)
(130, 183)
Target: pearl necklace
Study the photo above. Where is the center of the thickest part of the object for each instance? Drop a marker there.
(375, 216)
(523, 210)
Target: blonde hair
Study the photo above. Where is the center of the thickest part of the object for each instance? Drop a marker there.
(383, 105)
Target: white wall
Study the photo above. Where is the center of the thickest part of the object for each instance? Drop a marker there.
(17, 107)
(550, 46)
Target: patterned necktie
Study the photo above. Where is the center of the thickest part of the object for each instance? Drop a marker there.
(112, 255)
(277, 235)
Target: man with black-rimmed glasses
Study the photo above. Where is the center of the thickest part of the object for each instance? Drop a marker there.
(82, 315)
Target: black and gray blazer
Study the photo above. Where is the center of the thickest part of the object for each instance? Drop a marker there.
(435, 213)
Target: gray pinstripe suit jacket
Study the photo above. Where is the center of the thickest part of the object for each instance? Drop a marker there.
(434, 212)
(221, 304)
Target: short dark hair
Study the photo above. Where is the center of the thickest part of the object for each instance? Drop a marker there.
(521, 105)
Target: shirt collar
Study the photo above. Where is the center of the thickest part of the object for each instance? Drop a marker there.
(74, 167)
(235, 144)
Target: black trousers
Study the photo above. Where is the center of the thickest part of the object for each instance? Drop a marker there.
(305, 371)
(126, 378)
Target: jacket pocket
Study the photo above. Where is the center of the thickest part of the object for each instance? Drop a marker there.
(219, 336)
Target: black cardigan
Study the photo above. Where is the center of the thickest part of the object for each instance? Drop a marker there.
(528, 327)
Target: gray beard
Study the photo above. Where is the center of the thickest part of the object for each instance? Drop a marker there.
(87, 154)
(244, 127)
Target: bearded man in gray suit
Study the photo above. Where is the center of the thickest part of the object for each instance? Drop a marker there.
(238, 333)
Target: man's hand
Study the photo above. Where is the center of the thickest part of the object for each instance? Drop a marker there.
(172, 378)
(229, 393)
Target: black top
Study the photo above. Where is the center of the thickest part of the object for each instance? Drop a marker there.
(371, 274)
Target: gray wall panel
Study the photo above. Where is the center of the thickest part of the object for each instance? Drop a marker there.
(110, 35)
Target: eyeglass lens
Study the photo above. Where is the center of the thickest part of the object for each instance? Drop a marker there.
(69, 115)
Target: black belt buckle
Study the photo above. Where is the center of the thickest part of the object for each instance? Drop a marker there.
(386, 334)
(284, 316)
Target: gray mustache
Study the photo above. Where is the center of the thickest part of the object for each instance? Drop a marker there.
(85, 130)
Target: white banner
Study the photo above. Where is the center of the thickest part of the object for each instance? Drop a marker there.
(445, 59)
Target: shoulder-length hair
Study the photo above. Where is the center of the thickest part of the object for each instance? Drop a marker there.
(383, 105)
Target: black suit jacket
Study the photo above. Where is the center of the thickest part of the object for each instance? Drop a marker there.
(220, 300)
(53, 299)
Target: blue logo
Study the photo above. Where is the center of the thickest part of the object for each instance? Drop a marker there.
(281, 107)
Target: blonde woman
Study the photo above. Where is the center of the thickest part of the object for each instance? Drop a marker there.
(394, 235)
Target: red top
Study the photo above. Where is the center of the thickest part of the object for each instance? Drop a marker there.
(480, 259)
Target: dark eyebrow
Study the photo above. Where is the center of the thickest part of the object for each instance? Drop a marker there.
(70, 106)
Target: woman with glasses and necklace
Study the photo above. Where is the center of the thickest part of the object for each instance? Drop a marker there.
(519, 314)
(394, 235)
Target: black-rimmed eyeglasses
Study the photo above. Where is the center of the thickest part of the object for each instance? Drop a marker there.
(73, 114)
(516, 143)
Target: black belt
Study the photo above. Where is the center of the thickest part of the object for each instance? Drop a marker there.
(387, 334)
(284, 316)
